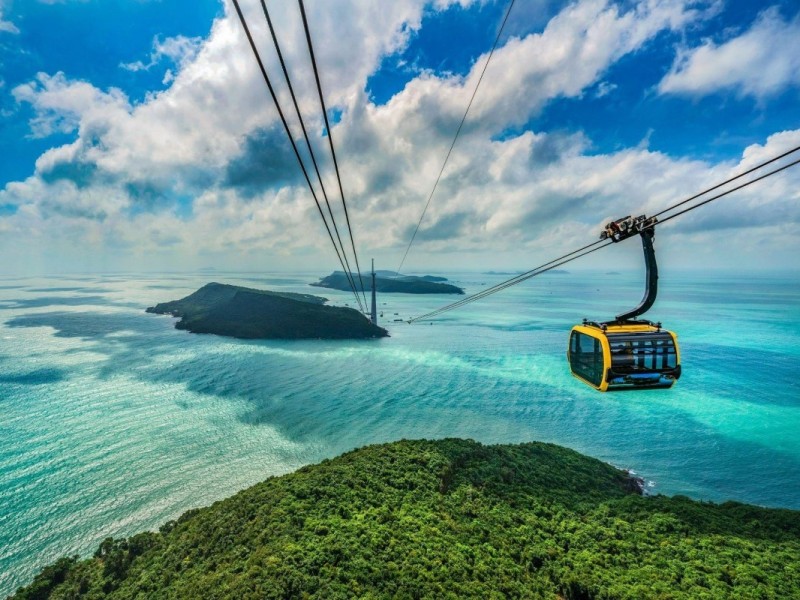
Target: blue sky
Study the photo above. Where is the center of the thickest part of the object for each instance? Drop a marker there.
(140, 130)
(715, 126)
(85, 40)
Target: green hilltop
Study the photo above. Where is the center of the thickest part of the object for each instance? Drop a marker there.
(447, 519)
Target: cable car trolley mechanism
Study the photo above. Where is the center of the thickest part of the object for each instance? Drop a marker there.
(627, 353)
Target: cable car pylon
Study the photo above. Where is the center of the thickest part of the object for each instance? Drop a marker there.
(374, 314)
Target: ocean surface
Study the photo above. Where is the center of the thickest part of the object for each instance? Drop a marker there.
(112, 421)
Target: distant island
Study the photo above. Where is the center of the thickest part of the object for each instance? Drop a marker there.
(247, 313)
(391, 282)
(447, 519)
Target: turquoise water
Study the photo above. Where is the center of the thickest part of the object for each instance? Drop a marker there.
(112, 421)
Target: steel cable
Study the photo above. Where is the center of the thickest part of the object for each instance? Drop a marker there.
(455, 138)
(330, 141)
(276, 44)
(594, 246)
(291, 139)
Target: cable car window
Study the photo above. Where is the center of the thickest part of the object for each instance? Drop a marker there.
(643, 352)
(586, 357)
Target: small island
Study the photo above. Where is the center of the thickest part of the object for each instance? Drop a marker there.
(247, 313)
(391, 283)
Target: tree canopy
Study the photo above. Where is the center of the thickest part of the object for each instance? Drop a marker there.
(447, 519)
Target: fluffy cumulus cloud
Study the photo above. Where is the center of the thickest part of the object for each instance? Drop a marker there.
(205, 157)
(7, 26)
(573, 51)
(203, 168)
(62, 105)
(506, 183)
(179, 51)
(759, 62)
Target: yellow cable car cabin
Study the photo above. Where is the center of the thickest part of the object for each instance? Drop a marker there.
(620, 356)
(627, 354)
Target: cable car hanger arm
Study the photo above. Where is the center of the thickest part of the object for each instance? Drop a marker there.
(624, 228)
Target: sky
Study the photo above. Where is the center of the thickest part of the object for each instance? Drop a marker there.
(139, 135)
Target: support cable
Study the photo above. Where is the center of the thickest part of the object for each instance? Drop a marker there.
(348, 271)
(330, 141)
(725, 193)
(291, 139)
(458, 132)
(588, 249)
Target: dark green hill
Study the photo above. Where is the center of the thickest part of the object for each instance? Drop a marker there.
(405, 284)
(448, 519)
(390, 274)
(257, 314)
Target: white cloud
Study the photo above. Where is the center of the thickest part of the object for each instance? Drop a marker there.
(572, 53)
(411, 133)
(60, 105)
(762, 61)
(180, 50)
(218, 97)
(604, 88)
(180, 141)
(7, 26)
(120, 183)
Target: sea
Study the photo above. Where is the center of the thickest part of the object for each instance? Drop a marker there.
(112, 421)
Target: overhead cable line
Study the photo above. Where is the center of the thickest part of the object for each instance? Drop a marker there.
(348, 271)
(725, 193)
(291, 140)
(458, 132)
(330, 141)
(588, 249)
(727, 181)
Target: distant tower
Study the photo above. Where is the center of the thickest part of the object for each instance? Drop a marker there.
(374, 303)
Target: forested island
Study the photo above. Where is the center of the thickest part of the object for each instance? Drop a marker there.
(391, 282)
(447, 519)
(247, 313)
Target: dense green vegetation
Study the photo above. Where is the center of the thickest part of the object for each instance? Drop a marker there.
(448, 519)
(406, 284)
(258, 314)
